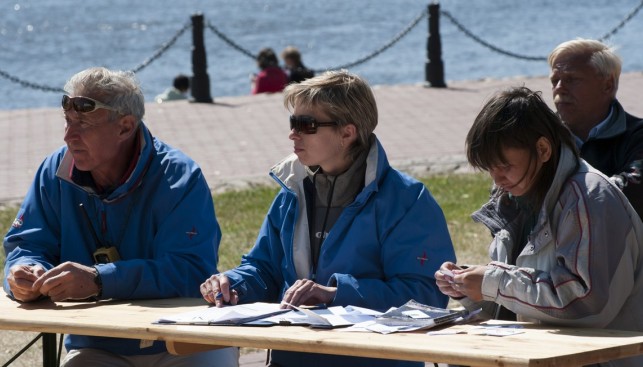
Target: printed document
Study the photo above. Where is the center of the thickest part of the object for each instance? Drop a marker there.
(227, 315)
(324, 318)
(267, 314)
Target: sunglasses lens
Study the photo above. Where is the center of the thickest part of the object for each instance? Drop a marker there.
(66, 103)
(82, 104)
(79, 104)
(303, 124)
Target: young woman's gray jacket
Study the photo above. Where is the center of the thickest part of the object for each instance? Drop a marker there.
(582, 263)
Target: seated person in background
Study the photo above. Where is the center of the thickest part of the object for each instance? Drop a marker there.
(271, 78)
(178, 91)
(557, 258)
(114, 214)
(293, 65)
(346, 228)
(584, 77)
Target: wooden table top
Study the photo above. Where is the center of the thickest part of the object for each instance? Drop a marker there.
(537, 346)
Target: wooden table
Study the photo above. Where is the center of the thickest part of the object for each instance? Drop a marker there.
(538, 346)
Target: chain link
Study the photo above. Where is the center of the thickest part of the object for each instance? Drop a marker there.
(230, 42)
(364, 59)
(487, 44)
(385, 47)
(536, 58)
(138, 68)
(622, 23)
(164, 47)
(28, 84)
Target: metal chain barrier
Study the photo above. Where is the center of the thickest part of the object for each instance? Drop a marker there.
(364, 59)
(164, 47)
(385, 47)
(138, 68)
(622, 23)
(487, 44)
(230, 42)
(536, 58)
(31, 85)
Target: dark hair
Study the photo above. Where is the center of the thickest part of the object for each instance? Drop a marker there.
(517, 118)
(181, 82)
(266, 58)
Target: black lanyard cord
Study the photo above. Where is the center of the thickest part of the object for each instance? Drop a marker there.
(83, 211)
(315, 254)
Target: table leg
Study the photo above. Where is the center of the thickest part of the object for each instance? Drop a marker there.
(49, 357)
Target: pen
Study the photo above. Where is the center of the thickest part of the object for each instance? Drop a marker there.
(232, 287)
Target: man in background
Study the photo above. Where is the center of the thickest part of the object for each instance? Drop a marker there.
(584, 77)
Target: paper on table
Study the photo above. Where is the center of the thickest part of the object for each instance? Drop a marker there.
(332, 317)
(409, 317)
(227, 315)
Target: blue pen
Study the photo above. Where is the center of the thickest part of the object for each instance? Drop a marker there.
(232, 287)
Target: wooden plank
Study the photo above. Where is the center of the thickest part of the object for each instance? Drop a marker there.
(538, 346)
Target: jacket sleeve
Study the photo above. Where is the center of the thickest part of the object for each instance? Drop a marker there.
(592, 272)
(182, 252)
(413, 246)
(631, 181)
(260, 276)
(33, 237)
(629, 163)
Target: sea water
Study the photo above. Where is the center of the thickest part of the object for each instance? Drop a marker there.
(44, 42)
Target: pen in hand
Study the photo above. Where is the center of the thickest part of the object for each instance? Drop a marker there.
(219, 295)
(232, 289)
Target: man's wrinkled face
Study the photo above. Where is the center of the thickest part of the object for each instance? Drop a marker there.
(581, 95)
(92, 139)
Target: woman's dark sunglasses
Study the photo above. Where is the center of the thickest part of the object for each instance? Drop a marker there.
(308, 124)
(83, 104)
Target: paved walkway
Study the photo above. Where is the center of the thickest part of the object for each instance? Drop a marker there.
(237, 139)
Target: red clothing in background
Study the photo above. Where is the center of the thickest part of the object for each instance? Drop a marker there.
(270, 80)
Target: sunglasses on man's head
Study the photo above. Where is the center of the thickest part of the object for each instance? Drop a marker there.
(308, 124)
(83, 104)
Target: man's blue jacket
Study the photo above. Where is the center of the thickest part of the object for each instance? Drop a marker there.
(161, 220)
(383, 250)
